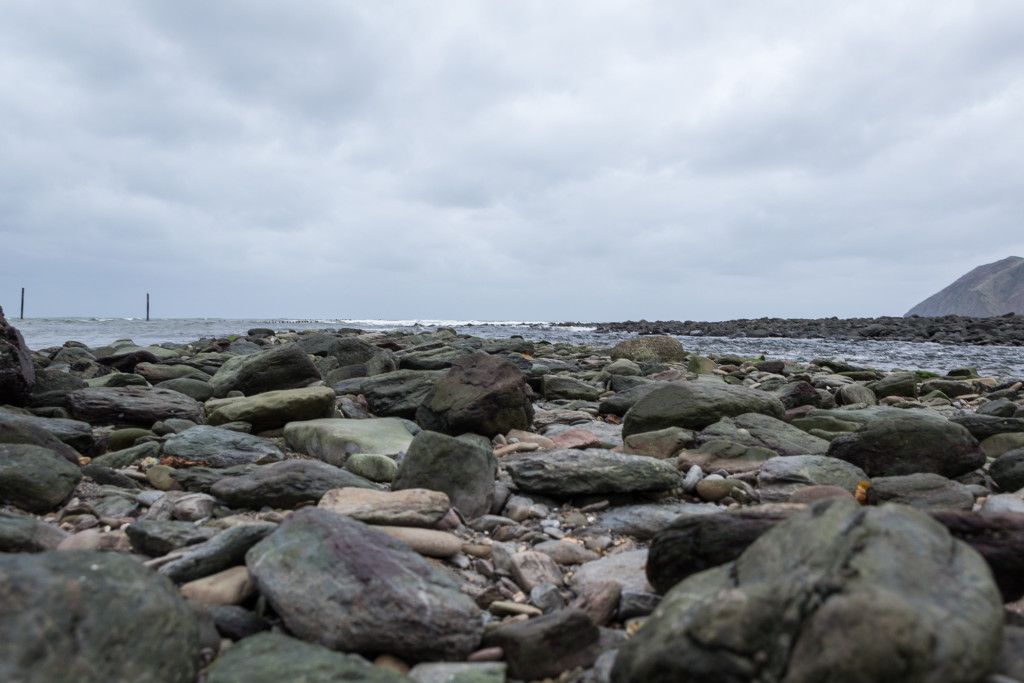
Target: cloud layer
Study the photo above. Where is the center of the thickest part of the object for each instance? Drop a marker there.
(532, 160)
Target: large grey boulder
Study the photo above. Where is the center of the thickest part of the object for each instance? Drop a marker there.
(895, 442)
(132, 406)
(285, 484)
(393, 394)
(836, 593)
(35, 478)
(778, 478)
(755, 429)
(575, 472)
(273, 409)
(92, 618)
(339, 583)
(924, 491)
(15, 428)
(17, 374)
(354, 356)
(334, 439)
(285, 366)
(1008, 470)
(462, 469)
(696, 405)
(216, 447)
(275, 657)
(482, 394)
(26, 534)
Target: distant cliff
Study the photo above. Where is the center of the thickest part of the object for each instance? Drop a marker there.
(989, 290)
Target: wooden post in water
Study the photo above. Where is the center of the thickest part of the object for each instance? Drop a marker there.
(22, 303)
(147, 307)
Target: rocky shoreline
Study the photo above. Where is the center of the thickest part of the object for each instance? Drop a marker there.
(336, 505)
(1006, 330)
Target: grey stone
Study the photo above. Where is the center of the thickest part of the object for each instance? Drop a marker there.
(17, 373)
(341, 584)
(924, 491)
(21, 429)
(653, 348)
(780, 477)
(754, 429)
(793, 606)
(279, 367)
(272, 409)
(216, 447)
(696, 405)
(285, 484)
(463, 470)
(199, 389)
(482, 394)
(644, 521)
(275, 657)
(459, 672)
(225, 550)
(393, 394)
(546, 646)
(1007, 470)
(35, 478)
(132, 406)
(92, 617)
(894, 442)
(26, 534)
(333, 440)
(574, 472)
(159, 537)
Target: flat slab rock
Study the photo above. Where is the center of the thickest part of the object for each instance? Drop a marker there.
(132, 406)
(408, 507)
(340, 583)
(573, 472)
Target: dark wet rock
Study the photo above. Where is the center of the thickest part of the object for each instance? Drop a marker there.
(107, 476)
(126, 362)
(132, 406)
(903, 384)
(696, 405)
(546, 646)
(573, 472)
(895, 442)
(96, 617)
(349, 352)
(74, 433)
(463, 470)
(780, 477)
(215, 447)
(155, 373)
(563, 387)
(644, 521)
(344, 585)
(999, 538)
(794, 604)
(35, 478)
(17, 373)
(126, 456)
(237, 622)
(52, 387)
(22, 429)
(624, 399)
(650, 349)
(285, 366)
(693, 543)
(754, 429)
(273, 409)
(1000, 407)
(333, 440)
(159, 537)
(982, 427)
(482, 394)
(199, 389)
(850, 394)
(275, 657)
(625, 568)
(225, 550)
(285, 484)
(1007, 470)
(26, 534)
(393, 394)
(201, 479)
(924, 491)
(729, 456)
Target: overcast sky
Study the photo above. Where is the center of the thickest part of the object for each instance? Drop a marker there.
(499, 160)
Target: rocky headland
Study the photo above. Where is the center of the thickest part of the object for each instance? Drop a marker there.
(1003, 330)
(334, 505)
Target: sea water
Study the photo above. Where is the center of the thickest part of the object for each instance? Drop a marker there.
(999, 361)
